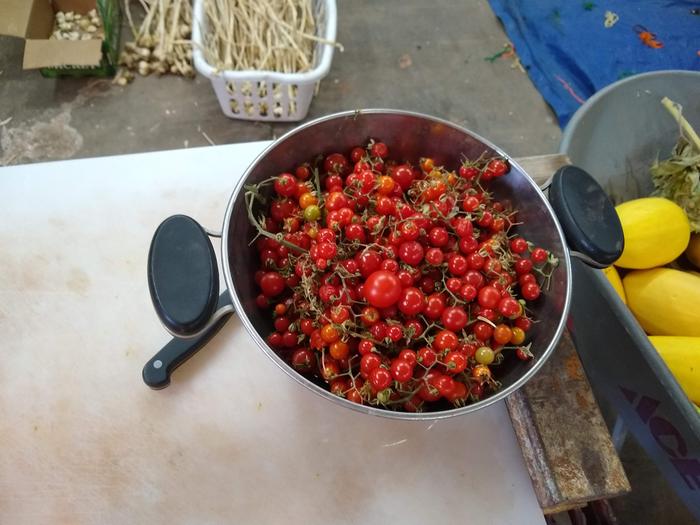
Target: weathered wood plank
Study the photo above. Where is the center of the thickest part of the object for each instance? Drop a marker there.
(542, 167)
(565, 442)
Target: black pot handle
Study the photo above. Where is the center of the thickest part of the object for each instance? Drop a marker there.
(587, 216)
(156, 372)
(183, 279)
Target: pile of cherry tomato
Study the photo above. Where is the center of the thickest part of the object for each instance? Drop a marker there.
(395, 285)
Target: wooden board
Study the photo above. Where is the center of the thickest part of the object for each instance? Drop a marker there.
(565, 442)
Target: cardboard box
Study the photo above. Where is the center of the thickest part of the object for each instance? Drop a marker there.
(33, 20)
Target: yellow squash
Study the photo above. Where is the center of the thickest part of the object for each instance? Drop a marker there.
(656, 232)
(682, 356)
(614, 278)
(664, 301)
(693, 250)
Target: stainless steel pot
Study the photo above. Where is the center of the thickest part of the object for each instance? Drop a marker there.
(183, 276)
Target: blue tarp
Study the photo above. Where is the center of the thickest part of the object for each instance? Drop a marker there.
(570, 53)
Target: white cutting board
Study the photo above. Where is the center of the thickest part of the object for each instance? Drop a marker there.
(232, 440)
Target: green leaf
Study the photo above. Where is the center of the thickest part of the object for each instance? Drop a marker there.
(678, 179)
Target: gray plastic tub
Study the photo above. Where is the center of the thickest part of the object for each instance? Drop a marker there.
(615, 136)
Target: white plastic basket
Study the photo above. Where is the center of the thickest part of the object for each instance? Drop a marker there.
(267, 95)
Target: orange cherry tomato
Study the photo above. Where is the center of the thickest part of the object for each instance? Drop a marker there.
(307, 199)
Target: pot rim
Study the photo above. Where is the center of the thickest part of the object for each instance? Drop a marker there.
(366, 409)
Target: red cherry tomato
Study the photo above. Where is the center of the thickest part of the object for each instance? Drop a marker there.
(434, 306)
(380, 378)
(497, 167)
(445, 385)
(518, 245)
(378, 330)
(457, 265)
(281, 209)
(523, 323)
(339, 386)
(385, 205)
(454, 284)
(411, 302)
(409, 356)
(409, 231)
(403, 175)
(401, 370)
(523, 354)
(438, 236)
(464, 228)
(369, 315)
(275, 340)
(468, 172)
(470, 204)
(455, 362)
(488, 297)
(530, 291)
(272, 284)
(434, 256)
(379, 149)
(482, 331)
(365, 346)
(285, 185)
(368, 261)
(539, 256)
(356, 154)
(303, 172)
(382, 289)
(458, 394)
(468, 292)
(303, 360)
(445, 340)
(474, 278)
(454, 318)
(428, 390)
(336, 163)
(523, 266)
(355, 232)
(411, 252)
(336, 200)
(394, 333)
(426, 356)
(509, 307)
(369, 362)
(414, 328)
(475, 261)
(468, 245)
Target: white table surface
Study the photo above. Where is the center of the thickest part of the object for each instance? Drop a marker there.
(232, 439)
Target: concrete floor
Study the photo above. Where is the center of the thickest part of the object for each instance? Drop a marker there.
(448, 77)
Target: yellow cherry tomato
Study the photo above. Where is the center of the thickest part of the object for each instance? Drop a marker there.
(339, 349)
(329, 333)
(385, 185)
(518, 336)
